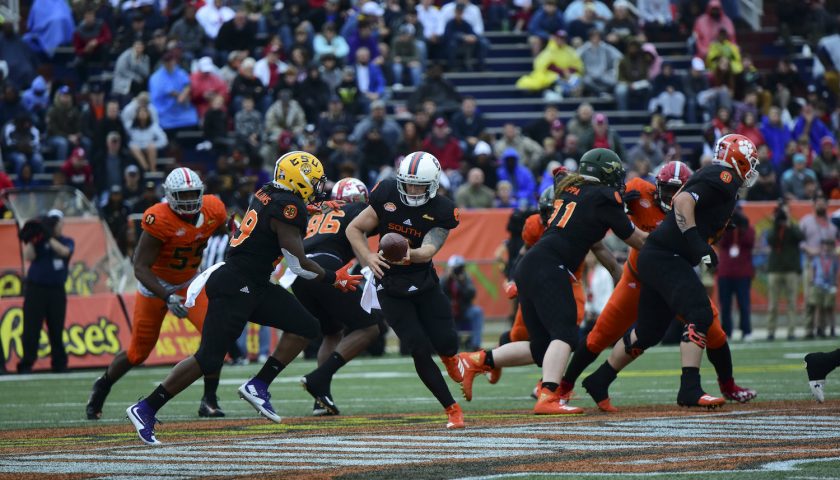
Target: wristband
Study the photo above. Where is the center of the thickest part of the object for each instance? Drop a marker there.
(329, 277)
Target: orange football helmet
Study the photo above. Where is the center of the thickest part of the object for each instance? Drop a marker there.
(738, 153)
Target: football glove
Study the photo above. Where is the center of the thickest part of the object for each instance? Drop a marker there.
(175, 304)
(324, 207)
(631, 195)
(510, 289)
(344, 281)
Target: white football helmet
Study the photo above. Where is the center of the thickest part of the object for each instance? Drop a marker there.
(350, 190)
(418, 168)
(177, 187)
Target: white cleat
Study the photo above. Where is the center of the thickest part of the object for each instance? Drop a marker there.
(818, 390)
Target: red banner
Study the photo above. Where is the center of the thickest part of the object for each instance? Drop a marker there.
(94, 332)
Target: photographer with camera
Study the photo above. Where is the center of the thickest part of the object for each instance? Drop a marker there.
(784, 268)
(735, 272)
(460, 290)
(50, 252)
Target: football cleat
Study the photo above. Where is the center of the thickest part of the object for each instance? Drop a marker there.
(817, 371)
(319, 411)
(699, 398)
(551, 403)
(322, 396)
(817, 390)
(98, 394)
(453, 368)
(143, 418)
(455, 417)
(606, 406)
(535, 393)
(494, 375)
(255, 392)
(209, 407)
(736, 393)
(471, 363)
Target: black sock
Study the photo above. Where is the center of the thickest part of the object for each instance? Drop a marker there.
(488, 359)
(158, 398)
(328, 369)
(721, 359)
(210, 387)
(582, 358)
(106, 379)
(429, 373)
(270, 370)
(690, 378)
(551, 386)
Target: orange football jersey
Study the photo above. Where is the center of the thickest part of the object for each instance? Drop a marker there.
(533, 230)
(183, 243)
(644, 212)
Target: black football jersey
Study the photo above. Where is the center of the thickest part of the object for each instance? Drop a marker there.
(412, 223)
(325, 232)
(715, 189)
(581, 217)
(254, 247)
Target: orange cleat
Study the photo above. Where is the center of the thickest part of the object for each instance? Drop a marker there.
(536, 391)
(453, 368)
(471, 364)
(606, 406)
(550, 403)
(455, 416)
(699, 399)
(495, 375)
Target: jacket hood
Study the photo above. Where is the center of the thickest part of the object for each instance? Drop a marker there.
(510, 152)
(39, 85)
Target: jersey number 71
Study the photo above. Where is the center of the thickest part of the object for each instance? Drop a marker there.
(567, 214)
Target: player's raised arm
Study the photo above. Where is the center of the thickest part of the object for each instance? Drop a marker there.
(357, 232)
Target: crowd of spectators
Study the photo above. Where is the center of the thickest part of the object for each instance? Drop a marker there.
(259, 78)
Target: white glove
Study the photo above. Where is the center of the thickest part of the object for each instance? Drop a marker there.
(175, 304)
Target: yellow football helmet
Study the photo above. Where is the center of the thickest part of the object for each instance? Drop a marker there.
(301, 173)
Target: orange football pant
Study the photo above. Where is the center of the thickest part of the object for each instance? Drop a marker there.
(621, 311)
(148, 318)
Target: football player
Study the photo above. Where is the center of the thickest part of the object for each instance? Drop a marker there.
(669, 286)
(166, 260)
(327, 245)
(587, 204)
(818, 365)
(647, 206)
(239, 291)
(409, 291)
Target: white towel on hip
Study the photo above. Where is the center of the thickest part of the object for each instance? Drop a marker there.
(197, 284)
(369, 298)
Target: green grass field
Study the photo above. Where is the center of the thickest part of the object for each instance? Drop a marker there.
(371, 387)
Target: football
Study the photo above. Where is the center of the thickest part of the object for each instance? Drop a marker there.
(393, 246)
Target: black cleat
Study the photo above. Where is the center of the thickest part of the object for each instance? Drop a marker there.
(698, 398)
(321, 395)
(319, 411)
(98, 394)
(209, 407)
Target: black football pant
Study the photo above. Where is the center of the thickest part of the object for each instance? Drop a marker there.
(670, 287)
(234, 300)
(548, 304)
(424, 324)
(43, 302)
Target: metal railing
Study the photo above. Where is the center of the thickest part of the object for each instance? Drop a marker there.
(751, 12)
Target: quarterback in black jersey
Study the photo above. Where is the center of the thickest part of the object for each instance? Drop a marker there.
(347, 329)
(239, 291)
(409, 291)
(669, 286)
(586, 204)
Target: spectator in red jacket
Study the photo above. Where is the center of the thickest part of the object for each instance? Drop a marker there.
(90, 41)
(735, 272)
(206, 84)
(5, 182)
(78, 171)
(444, 146)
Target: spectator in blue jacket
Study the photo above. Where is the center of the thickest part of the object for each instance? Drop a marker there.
(777, 135)
(364, 38)
(546, 20)
(524, 185)
(369, 76)
(810, 126)
(468, 124)
(169, 89)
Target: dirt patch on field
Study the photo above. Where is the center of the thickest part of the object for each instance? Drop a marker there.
(635, 440)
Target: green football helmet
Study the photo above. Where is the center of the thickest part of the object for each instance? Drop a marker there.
(546, 203)
(603, 165)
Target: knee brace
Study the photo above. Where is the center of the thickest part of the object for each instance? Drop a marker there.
(690, 334)
(701, 317)
(634, 349)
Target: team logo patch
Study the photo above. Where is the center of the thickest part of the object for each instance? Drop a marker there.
(290, 212)
(150, 219)
(305, 168)
(617, 197)
(726, 177)
(390, 207)
(428, 217)
(457, 214)
(644, 203)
